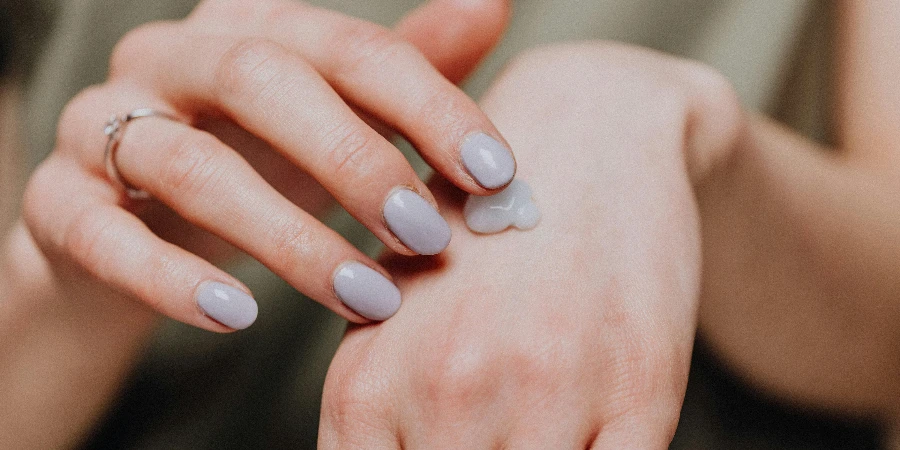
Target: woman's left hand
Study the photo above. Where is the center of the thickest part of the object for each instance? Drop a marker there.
(577, 333)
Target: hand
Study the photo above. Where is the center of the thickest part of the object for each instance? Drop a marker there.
(577, 333)
(266, 93)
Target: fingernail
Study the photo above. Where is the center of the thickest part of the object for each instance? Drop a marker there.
(489, 162)
(366, 291)
(416, 223)
(227, 305)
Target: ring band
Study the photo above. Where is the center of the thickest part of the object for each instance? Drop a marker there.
(114, 130)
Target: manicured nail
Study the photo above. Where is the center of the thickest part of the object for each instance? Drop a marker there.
(489, 162)
(227, 305)
(366, 291)
(416, 223)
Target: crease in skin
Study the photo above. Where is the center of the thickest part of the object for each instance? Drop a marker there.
(511, 207)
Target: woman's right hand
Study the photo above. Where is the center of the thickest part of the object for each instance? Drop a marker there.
(267, 95)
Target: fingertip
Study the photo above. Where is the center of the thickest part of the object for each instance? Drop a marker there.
(366, 291)
(488, 161)
(227, 305)
(416, 222)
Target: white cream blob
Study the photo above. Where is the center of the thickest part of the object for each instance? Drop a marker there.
(512, 206)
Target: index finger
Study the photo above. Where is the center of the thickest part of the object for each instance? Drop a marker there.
(375, 69)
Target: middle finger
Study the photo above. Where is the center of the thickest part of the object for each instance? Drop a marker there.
(278, 97)
(387, 77)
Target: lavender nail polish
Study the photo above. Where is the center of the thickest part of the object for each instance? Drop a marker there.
(416, 223)
(227, 305)
(366, 291)
(489, 162)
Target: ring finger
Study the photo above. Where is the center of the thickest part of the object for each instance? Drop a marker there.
(210, 185)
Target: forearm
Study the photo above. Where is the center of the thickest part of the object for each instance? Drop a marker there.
(63, 351)
(799, 283)
(801, 242)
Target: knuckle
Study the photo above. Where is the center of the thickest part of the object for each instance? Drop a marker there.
(291, 241)
(539, 368)
(37, 202)
(365, 45)
(350, 148)
(86, 236)
(279, 12)
(449, 114)
(645, 377)
(573, 68)
(351, 398)
(194, 165)
(162, 270)
(615, 64)
(459, 375)
(70, 131)
(245, 68)
(134, 46)
(596, 67)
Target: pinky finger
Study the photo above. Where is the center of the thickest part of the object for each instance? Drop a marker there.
(116, 248)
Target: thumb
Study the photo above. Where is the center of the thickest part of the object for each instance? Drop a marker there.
(455, 35)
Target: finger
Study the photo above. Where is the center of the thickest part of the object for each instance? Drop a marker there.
(275, 95)
(455, 35)
(211, 186)
(386, 76)
(116, 248)
(389, 78)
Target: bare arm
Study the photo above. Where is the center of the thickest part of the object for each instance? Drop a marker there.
(64, 346)
(67, 340)
(801, 289)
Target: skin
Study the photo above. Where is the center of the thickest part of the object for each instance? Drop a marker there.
(813, 316)
(568, 349)
(577, 333)
(54, 313)
(582, 338)
(237, 67)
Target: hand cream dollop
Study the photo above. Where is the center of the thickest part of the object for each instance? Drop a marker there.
(512, 206)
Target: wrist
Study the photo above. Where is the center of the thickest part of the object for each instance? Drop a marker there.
(716, 124)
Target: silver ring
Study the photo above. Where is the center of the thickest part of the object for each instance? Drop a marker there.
(114, 130)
